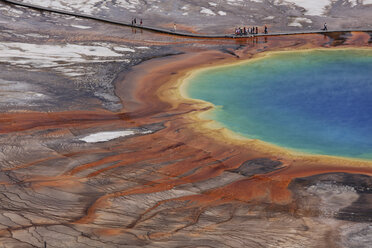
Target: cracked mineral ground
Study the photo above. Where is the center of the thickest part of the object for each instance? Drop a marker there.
(99, 149)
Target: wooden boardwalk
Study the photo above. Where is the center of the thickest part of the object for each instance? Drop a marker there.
(177, 33)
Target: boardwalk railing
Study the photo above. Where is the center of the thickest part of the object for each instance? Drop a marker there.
(172, 32)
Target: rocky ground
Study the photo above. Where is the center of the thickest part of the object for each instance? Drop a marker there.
(85, 163)
(210, 16)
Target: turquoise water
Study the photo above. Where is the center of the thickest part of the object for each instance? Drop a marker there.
(318, 102)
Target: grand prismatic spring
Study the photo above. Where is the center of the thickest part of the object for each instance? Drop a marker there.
(113, 135)
(317, 101)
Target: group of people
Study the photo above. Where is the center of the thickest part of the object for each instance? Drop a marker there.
(246, 31)
(254, 30)
(238, 31)
(134, 22)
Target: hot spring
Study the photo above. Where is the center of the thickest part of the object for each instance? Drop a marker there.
(316, 101)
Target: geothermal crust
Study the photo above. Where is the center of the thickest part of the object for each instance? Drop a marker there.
(98, 148)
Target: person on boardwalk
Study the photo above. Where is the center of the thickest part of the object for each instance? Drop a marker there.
(265, 30)
(174, 27)
(325, 27)
(135, 21)
(141, 22)
(256, 30)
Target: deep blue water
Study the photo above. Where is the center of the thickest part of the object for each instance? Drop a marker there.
(317, 102)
